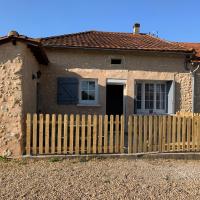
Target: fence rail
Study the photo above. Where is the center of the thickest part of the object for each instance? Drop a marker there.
(96, 134)
(74, 134)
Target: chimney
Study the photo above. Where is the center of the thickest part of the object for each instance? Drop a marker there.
(13, 34)
(136, 28)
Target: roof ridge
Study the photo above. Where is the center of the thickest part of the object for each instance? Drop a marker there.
(86, 32)
(64, 35)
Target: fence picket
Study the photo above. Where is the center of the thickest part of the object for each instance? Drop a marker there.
(77, 134)
(105, 134)
(28, 134)
(150, 133)
(100, 134)
(71, 136)
(117, 134)
(178, 132)
(135, 134)
(53, 133)
(83, 134)
(188, 133)
(65, 133)
(89, 134)
(169, 132)
(122, 134)
(140, 135)
(160, 133)
(111, 134)
(41, 133)
(59, 139)
(164, 121)
(47, 134)
(198, 133)
(130, 132)
(173, 132)
(94, 134)
(34, 134)
(145, 134)
(183, 133)
(194, 132)
(155, 133)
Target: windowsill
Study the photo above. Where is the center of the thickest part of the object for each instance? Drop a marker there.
(88, 105)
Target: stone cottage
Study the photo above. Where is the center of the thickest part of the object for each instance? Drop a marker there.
(92, 72)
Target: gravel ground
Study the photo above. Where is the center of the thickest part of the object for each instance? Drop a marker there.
(100, 179)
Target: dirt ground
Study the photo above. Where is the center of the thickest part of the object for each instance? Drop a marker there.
(99, 179)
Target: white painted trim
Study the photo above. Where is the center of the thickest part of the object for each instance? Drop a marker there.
(89, 102)
(111, 81)
(123, 82)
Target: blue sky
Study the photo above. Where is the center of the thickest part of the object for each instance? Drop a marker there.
(176, 20)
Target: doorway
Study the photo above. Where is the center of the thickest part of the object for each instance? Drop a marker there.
(114, 99)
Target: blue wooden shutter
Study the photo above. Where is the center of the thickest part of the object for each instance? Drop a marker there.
(67, 91)
(170, 97)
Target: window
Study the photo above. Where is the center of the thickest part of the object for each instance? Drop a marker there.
(88, 91)
(151, 97)
(116, 61)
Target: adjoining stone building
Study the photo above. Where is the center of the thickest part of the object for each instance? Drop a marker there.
(92, 73)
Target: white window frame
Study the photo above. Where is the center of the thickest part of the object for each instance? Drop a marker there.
(143, 110)
(88, 102)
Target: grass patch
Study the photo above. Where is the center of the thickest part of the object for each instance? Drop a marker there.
(55, 159)
(3, 159)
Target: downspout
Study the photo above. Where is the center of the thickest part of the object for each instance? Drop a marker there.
(193, 85)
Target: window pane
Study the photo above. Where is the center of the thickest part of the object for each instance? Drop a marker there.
(84, 85)
(92, 95)
(91, 85)
(139, 95)
(84, 95)
(149, 96)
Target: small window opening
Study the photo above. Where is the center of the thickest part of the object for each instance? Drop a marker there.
(116, 61)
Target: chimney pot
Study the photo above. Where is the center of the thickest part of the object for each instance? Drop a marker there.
(136, 28)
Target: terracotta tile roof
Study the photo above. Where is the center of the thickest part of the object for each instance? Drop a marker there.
(189, 45)
(112, 40)
(20, 37)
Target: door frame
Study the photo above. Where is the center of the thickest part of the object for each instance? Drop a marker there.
(110, 81)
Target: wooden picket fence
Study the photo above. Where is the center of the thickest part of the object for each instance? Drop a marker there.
(163, 133)
(98, 134)
(74, 134)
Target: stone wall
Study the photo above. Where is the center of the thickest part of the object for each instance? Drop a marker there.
(17, 95)
(93, 64)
